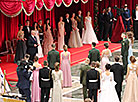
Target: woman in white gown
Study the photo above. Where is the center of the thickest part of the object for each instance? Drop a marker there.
(35, 28)
(61, 32)
(89, 35)
(57, 76)
(108, 92)
(106, 53)
(75, 40)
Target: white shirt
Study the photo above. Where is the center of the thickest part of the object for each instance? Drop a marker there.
(67, 20)
(136, 15)
(28, 28)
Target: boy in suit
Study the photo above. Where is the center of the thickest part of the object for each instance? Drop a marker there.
(83, 74)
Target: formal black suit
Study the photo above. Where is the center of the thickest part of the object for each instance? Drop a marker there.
(93, 83)
(41, 33)
(80, 25)
(24, 83)
(52, 58)
(68, 29)
(31, 50)
(26, 32)
(135, 24)
(106, 26)
(124, 53)
(110, 24)
(101, 25)
(45, 83)
(118, 71)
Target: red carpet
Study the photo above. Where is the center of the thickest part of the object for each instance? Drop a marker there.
(77, 55)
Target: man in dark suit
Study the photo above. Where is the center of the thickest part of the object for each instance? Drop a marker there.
(32, 45)
(45, 82)
(126, 17)
(135, 21)
(111, 22)
(27, 30)
(118, 71)
(53, 57)
(68, 28)
(124, 51)
(93, 82)
(101, 24)
(40, 29)
(23, 81)
(83, 72)
(94, 54)
(79, 19)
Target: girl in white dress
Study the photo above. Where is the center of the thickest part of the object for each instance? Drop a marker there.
(106, 53)
(89, 35)
(57, 76)
(108, 92)
(61, 32)
(35, 28)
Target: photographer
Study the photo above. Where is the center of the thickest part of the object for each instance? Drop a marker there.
(24, 72)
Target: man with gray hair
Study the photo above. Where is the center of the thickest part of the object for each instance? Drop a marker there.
(32, 45)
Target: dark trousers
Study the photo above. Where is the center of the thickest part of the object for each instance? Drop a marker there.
(80, 31)
(101, 30)
(127, 23)
(67, 36)
(26, 93)
(106, 31)
(110, 30)
(125, 62)
(84, 92)
(135, 26)
(93, 92)
(32, 55)
(119, 95)
(45, 92)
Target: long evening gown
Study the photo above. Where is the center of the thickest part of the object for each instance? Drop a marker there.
(130, 52)
(57, 86)
(89, 35)
(36, 90)
(61, 35)
(40, 52)
(105, 58)
(48, 41)
(75, 40)
(66, 68)
(131, 89)
(108, 91)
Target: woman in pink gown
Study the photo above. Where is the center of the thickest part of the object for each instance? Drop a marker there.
(48, 38)
(61, 32)
(65, 67)
(36, 91)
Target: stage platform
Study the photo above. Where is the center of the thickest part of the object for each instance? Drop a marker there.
(77, 55)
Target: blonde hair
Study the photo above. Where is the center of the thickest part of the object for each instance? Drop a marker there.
(130, 36)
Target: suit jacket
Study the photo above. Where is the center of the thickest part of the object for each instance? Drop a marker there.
(134, 14)
(101, 19)
(83, 73)
(92, 75)
(68, 26)
(118, 71)
(45, 73)
(26, 33)
(111, 17)
(79, 22)
(52, 58)
(126, 14)
(106, 19)
(124, 47)
(94, 55)
(31, 49)
(23, 79)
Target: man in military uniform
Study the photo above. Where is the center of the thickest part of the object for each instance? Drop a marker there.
(83, 71)
(94, 54)
(93, 82)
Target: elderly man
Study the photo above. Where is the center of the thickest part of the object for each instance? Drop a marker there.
(32, 45)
